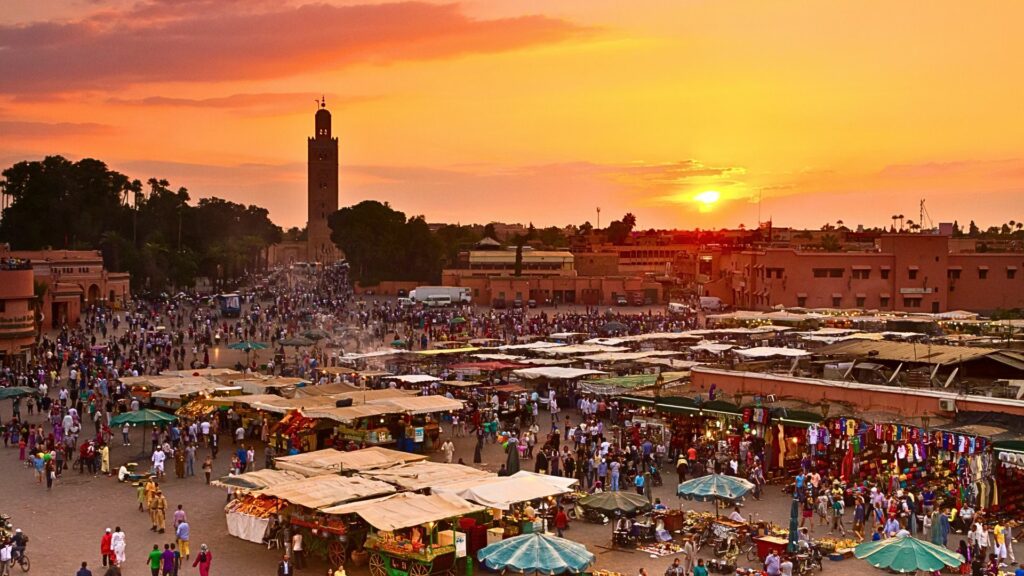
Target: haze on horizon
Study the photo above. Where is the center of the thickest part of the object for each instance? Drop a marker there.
(538, 112)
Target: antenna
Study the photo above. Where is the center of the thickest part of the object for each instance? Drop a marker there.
(923, 215)
(598, 217)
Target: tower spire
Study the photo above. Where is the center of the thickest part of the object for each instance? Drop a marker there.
(323, 101)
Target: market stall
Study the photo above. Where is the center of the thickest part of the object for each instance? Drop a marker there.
(331, 461)
(412, 534)
(324, 534)
(427, 475)
(249, 516)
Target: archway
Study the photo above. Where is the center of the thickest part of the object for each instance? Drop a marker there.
(93, 295)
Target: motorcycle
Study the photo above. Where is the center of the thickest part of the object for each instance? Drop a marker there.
(807, 561)
(578, 512)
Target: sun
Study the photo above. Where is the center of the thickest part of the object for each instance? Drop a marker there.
(708, 197)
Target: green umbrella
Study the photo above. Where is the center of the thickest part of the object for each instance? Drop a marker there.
(398, 343)
(144, 416)
(16, 392)
(625, 503)
(247, 346)
(457, 320)
(907, 554)
(296, 341)
(537, 552)
(717, 487)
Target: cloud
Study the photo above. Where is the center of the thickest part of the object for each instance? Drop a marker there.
(272, 102)
(185, 42)
(28, 129)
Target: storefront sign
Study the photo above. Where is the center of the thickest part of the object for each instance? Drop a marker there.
(460, 544)
(417, 434)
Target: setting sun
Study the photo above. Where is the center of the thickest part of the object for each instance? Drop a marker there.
(707, 198)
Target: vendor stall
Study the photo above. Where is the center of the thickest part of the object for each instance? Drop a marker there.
(412, 534)
(331, 461)
(249, 516)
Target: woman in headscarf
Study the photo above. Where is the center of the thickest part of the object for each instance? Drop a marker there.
(203, 560)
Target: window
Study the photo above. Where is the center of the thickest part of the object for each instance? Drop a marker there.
(3, 306)
(953, 274)
(837, 301)
(820, 272)
(828, 272)
(883, 302)
(774, 272)
(885, 273)
(801, 301)
(982, 273)
(860, 274)
(912, 302)
(912, 273)
(1011, 273)
(860, 301)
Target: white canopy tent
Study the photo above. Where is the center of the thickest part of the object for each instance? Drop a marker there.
(555, 373)
(771, 351)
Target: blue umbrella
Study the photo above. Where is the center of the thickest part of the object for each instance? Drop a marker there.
(537, 552)
(715, 487)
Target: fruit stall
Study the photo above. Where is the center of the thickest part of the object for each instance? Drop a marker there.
(413, 534)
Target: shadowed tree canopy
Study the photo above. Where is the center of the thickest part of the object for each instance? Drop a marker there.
(150, 231)
(380, 243)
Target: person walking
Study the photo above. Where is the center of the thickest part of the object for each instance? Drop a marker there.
(297, 549)
(154, 560)
(84, 570)
(208, 468)
(203, 560)
(449, 451)
(285, 567)
(561, 521)
(105, 547)
(167, 560)
(159, 508)
(118, 546)
(6, 553)
(182, 532)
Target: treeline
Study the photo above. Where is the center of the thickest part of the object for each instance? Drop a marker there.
(148, 229)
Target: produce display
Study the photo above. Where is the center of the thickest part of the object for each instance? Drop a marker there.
(829, 545)
(259, 506)
(194, 410)
(661, 549)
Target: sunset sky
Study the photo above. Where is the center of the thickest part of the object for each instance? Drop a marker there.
(538, 110)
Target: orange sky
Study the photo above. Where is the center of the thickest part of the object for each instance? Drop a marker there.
(539, 111)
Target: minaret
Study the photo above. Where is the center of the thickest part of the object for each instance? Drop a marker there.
(322, 194)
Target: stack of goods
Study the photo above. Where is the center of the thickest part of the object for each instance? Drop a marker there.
(836, 545)
(194, 410)
(258, 506)
(605, 573)
(661, 549)
(295, 423)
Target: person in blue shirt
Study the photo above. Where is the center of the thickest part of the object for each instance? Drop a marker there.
(84, 570)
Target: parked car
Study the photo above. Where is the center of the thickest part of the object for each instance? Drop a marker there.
(531, 303)
(621, 301)
(518, 303)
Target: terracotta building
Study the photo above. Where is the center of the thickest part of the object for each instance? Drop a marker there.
(17, 314)
(72, 279)
(906, 272)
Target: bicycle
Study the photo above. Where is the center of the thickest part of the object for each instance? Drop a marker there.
(23, 562)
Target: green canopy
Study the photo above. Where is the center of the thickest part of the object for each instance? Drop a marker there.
(457, 320)
(316, 334)
(907, 554)
(296, 341)
(625, 503)
(714, 487)
(16, 392)
(539, 553)
(144, 416)
(247, 346)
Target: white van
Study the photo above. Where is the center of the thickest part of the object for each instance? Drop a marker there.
(437, 301)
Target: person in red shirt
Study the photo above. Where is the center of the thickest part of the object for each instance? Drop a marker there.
(561, 521)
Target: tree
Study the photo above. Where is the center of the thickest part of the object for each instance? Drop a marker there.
(381, 244)
(957, 232)
(830, 243)
(489, 232)
(972, 230)
(57, 203)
